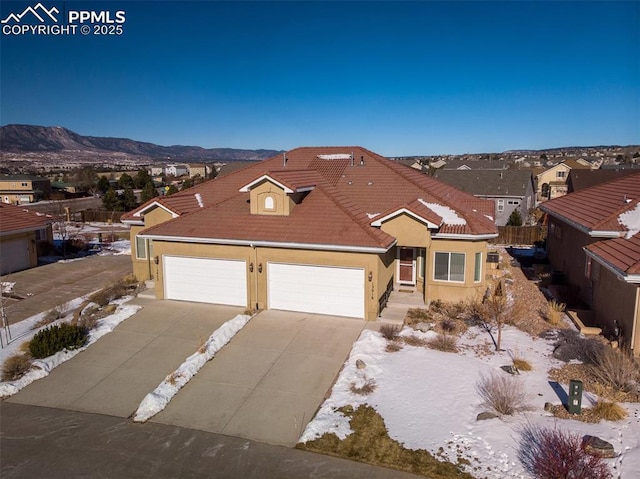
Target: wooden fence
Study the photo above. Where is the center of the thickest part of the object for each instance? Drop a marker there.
(96, 215)
(520, 235)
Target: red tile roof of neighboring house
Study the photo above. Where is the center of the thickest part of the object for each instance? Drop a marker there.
(335, 212)
(15, 219)
(621, 253)
(598, 209)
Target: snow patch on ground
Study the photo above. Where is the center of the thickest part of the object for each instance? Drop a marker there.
(24, 331)
(428, 401)
(157, 400)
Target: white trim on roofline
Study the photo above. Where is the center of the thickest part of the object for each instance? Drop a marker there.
(24, 230)
(398, 212)
(272, 244)
(159, 205)
(247, 187)
(621, 275)
(134, 222)
(584, 229)
(455, 236)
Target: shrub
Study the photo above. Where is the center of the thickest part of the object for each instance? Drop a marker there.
(56, 338)
(616, 369)
(413, 340)
(390, 331)
(448, 326)
(570, 345)
(15, 366)
(504, 395)
(367, 387)
(444, 342)
(551, 453)
(554, 311)
(393, 347)
(522, 364)
(609, 411)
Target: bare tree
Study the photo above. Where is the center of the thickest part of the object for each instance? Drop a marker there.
(492, 313)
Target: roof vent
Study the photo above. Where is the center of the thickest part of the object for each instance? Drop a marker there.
(352, 158)
(284, 158)
(199, 199)
(627, 200)
(370, 183)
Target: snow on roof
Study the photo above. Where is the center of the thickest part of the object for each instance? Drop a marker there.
(372, 215)
(631, 220)
(448, 215)
(336, 156)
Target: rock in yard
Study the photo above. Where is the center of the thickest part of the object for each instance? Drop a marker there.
(485, 415)
(424, 327)
(598, 447)
(548, 406)
(110, 308)
(360, 364)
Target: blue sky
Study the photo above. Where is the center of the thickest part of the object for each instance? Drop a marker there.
(400, 78)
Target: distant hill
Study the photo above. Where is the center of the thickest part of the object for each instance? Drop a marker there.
(43, 139)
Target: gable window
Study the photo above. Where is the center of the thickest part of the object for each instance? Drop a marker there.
(141, 248)
(477, 272)
(268, 203)
(561, 174)
(500, 205)
(449, 267)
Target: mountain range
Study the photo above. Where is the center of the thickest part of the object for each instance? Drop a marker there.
(56, 139)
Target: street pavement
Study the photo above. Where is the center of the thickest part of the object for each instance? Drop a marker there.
(54, 443)
(51, 285)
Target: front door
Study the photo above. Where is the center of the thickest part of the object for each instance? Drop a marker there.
(406, 266)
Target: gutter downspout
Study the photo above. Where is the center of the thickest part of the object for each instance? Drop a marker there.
(635, 320)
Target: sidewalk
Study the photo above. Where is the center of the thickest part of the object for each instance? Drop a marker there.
(48, 286)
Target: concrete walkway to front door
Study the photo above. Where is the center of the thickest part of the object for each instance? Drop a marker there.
(268, 382)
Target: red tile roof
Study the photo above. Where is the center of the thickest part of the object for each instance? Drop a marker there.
(621, 253)
(335, 212)
(597, 208)
(14, 219)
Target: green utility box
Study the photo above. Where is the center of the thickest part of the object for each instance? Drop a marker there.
(575, 397)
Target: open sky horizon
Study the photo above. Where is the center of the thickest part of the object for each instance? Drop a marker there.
(399, 78)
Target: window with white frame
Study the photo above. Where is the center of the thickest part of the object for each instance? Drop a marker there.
(268, 203)
(561, 174)
(500, 205)
(477, 272)
(449, 267)
(141, 248)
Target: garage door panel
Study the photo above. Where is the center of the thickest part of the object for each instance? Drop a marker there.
(316, 289)
(14, 255)
(204, 280)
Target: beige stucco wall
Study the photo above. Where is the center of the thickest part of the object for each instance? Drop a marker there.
(455, 291)
(283, 204)
(407, 231)
(615, 300)
(143, 269)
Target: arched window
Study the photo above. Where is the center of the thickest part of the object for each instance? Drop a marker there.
(268, 203)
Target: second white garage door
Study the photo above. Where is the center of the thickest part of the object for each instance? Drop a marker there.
(316, 289)
(218, 281)
(14, 255)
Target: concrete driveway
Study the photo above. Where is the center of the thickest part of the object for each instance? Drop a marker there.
(113, 376)
(268, 382)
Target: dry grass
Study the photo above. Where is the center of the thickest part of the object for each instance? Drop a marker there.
(15, 366)
(367, 387)
(370, 443)
(413, 340)
(173, 377)
(393, 347)
(417, 315)
(554, 312)
(502, 394)
(390, 331)
(609, 411)
(590, 382)
(616, 369)
(444, 342)
(52, 316)
(522, 364)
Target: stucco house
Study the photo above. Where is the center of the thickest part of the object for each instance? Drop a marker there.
(508, 189)
(552, 182)
(328, 230)
(22, 189)
(199, 169)
(176, 170)
(21, 231)
(594, 239)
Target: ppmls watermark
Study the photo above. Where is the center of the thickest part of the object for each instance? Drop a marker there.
(40, 20)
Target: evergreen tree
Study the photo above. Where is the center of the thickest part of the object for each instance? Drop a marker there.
(128, 200)
(103, 184)
(515, 218)
(125, 181)
(111, 201)
(148, 192)
(188, 183)
(141, 179)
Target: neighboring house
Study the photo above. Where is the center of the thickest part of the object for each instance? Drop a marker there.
(20, 189)
(320, 230)
(231, 166)
(474, 164)
(156, 170)
(199, 169)
(594, 239)
(176, 170)
(552, 182)
(580, 179)
(508, 189)
(21, 231)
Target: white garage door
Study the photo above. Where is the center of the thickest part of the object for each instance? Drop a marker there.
(316, 289)
(219, 281)
(14, 255)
